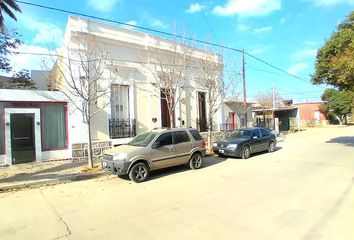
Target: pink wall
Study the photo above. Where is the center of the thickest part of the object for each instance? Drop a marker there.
(307, 111)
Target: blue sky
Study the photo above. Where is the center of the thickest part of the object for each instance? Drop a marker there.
(286, 34)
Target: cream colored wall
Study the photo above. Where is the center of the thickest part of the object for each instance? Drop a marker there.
(146, 95)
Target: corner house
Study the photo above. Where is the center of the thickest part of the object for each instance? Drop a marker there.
(34, 126)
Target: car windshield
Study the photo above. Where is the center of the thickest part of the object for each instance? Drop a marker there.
(240, 134)
(143, 139)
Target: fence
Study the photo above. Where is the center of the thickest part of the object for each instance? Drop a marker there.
(120, 128)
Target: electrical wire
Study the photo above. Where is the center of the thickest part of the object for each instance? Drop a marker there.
(163, 33)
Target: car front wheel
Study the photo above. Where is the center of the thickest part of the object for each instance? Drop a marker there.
(246, 152)
(196, 161)
(139, 172)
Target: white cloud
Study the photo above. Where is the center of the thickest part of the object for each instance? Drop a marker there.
(45, 32)
(30, 61)
(262, 29)
(102, 5)
(305, 53)
(132, 23)
(297, 68)
(248, 7)
(256, 50)
(312, 43)
(154, 22)
(194, 7)
(328, 3)
(242, 27)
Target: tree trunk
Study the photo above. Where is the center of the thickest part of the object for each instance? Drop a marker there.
(171, 119)
(210, 123)
(89, 150)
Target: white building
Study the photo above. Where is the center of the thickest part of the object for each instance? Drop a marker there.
(132, 65)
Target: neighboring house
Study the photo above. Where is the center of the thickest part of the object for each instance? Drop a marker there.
(35, 126)
(136, 100)
(279, 119)
(235, 117)
(310, 114)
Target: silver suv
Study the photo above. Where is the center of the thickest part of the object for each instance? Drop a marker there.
(155, 150)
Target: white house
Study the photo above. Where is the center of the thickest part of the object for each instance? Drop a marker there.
(133, 63)
(34, 126)
(130, 65)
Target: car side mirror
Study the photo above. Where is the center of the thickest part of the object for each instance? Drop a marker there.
(156, 145)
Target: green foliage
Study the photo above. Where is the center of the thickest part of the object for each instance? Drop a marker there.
(335, 60)
(9, 41)
(338, 103)
(8, 6)
(22, 80)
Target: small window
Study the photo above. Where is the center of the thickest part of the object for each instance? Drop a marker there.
(165, 139)
(181, 137)
(256, 133)
(264, 132)
(196, 135)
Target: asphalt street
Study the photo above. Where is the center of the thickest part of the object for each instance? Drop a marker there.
(304, 190)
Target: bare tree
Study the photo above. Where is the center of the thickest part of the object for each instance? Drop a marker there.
(79, 72)
(168, 66)
(268, 102)
(210, 77)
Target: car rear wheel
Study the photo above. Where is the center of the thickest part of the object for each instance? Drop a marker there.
(196, 161)
(139, 172)
(271, 147)
(246, 152)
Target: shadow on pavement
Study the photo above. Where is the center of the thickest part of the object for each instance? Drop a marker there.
(346, 140)
(208, 162)
(46, 173)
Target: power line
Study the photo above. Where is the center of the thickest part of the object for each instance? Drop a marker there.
(127, 24)
(160, 32)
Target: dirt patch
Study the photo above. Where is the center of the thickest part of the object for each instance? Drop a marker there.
(95, 169)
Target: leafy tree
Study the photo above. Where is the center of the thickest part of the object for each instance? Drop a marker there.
(338, 103)
(8, 6)
(335, 62)
(22, 80)
(9, 40)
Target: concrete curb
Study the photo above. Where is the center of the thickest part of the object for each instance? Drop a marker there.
(49, 182)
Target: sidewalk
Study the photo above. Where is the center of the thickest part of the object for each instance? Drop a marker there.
(49, 173)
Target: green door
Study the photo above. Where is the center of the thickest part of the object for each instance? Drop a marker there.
(22, 138)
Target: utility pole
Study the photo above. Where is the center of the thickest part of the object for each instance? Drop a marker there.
(244, 86)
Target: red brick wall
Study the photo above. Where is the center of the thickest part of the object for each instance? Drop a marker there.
(307, 111)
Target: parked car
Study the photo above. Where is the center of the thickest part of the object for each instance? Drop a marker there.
(243, 142)
(153, 150)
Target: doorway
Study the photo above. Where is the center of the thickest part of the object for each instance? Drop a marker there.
(22, 138)
(165, 116)
(22, 135)
(202, 112)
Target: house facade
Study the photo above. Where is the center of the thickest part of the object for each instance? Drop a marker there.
(235, 114)
(35, 126)
(133, 67)
(310, 114)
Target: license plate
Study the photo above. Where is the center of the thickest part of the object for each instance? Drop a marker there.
(221, 151)
(104, 164)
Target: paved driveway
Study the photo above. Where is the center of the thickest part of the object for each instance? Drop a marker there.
(304, 190)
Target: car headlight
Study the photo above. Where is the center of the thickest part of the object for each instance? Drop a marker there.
(231, 146)
(215, 144)
(119, 157)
